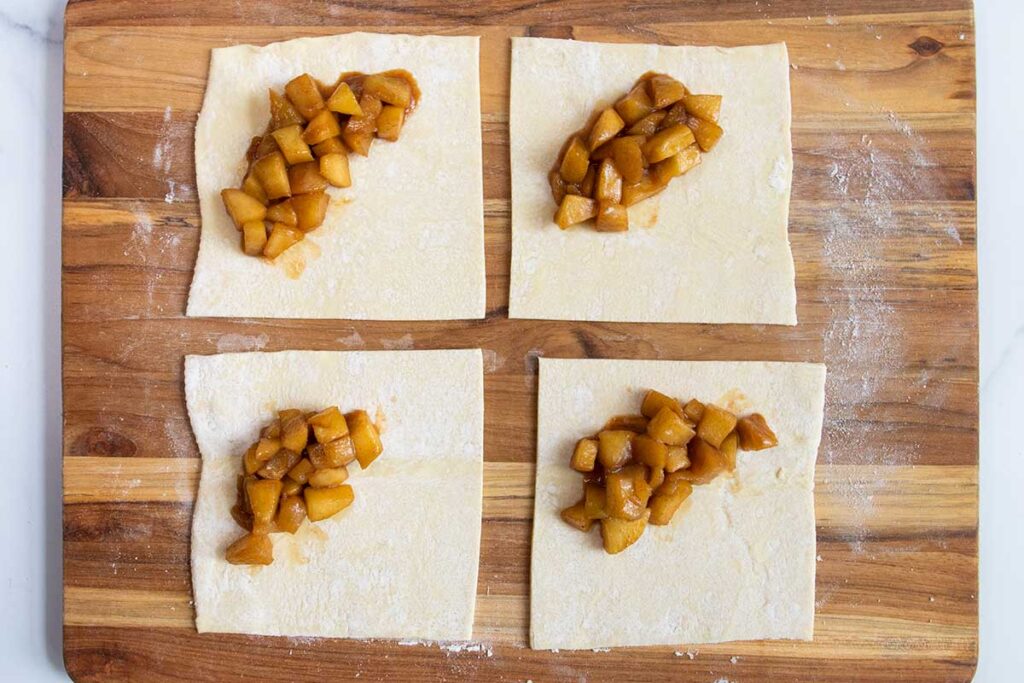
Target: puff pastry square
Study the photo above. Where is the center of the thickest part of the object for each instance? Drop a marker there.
(402, 560)
(737, 561)
(712, 248)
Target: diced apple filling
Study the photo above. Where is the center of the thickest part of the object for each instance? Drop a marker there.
(632, 151)
(640, 469)
(297, 469)
(313, 127)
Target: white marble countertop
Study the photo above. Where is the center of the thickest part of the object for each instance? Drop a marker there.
(30, 166)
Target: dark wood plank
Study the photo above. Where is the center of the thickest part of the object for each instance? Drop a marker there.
(157, 654)
(359, 12)
(141, 155)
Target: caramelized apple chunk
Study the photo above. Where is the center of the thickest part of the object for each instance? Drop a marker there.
(607, 126)
(292, 145)
(676, 458)
(330, 146)
(391, 89)
(706, 133)
(665, 90)
(268, 446)
(576, 515)
(249, 462)
(654, 401)
(282, 212)
(575, 209)
(334, 453)
(595, 501)
(358, 131)
(584, 456)
(628, 158)
(304, 94)
(715, 424)
(670, 428)
(390, 122)
(645, 188)
(294, 433)
(693, 410)
(327, 502)
(667, 142)
(252, 187)
(635, 105)
(328, 477)
(587, 184)
(614, 448)
(668, 497)
(611, 217)
(283, 113)
(558, 186)
(627, 492)
(262, 495)
(329, 424)
(251, 549)
(648, 125)
(676, 165)
(305, 178)
(706, 462)
(272, 172)
(649, 451)
(242, 208)
(321, 127)
(619, 534)
(254, 238)
(279, 464)
(241, 516)
(608, 184)
(575, 162)
(290, 513)
(730, 445)
(343, 101)
(755, 434)
(704, 107)
(301, 471)
(655, 475)
(310, 209)
(365, 437)
(262, 146)
(334, 167)
(290, 487)
(281, 237)
(271, 431)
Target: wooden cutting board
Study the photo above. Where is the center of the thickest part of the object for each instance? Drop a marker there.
(883, 234)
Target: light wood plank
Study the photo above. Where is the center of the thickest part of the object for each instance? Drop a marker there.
(502, 620)
(875, 500)
(834, 64)
(130, 480)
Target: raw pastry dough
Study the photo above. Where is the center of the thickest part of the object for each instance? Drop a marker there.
(719, 252)
(405, 242)
(737, 561)
(402, 561)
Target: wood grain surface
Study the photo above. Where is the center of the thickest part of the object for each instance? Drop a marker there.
(883, 235)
